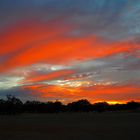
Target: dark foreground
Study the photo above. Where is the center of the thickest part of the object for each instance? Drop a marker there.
(71, 126)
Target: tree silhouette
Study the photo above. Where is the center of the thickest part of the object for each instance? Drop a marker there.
(132, 105)
(100, 107)
(2, 106)
(81, 105)
(13, 105)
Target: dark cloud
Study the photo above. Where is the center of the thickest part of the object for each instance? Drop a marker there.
(115, 20)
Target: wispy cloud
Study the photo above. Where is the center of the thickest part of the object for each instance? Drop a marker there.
(70, 49)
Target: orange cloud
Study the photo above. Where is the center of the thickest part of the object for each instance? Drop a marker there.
(34, 43)
(24, 34)
(49, 76)
(94, 94)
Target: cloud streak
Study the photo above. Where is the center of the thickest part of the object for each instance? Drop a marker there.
(70, 49)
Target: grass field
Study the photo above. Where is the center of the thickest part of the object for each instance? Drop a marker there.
(71, 126)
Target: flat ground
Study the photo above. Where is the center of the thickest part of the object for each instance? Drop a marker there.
(71, 126)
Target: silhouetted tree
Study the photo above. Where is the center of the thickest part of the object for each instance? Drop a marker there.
(2, 106)
(32, 106)
(81, 105)
(132, 105)
(13, 105)
(100, 107)
(39, 107)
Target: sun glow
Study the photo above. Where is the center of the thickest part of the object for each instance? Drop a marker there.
(116, 102)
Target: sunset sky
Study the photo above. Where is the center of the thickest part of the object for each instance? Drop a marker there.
(70, 50)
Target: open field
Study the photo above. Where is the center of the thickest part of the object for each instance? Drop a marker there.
(71, 126)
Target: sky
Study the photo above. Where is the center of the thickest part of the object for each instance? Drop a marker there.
(70, 49)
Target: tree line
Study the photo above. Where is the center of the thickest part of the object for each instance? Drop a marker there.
(13, 105)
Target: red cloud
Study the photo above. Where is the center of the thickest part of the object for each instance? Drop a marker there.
(26, 34)
(94, 94)
(30, 43)
(49, 76)
(34, 42)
